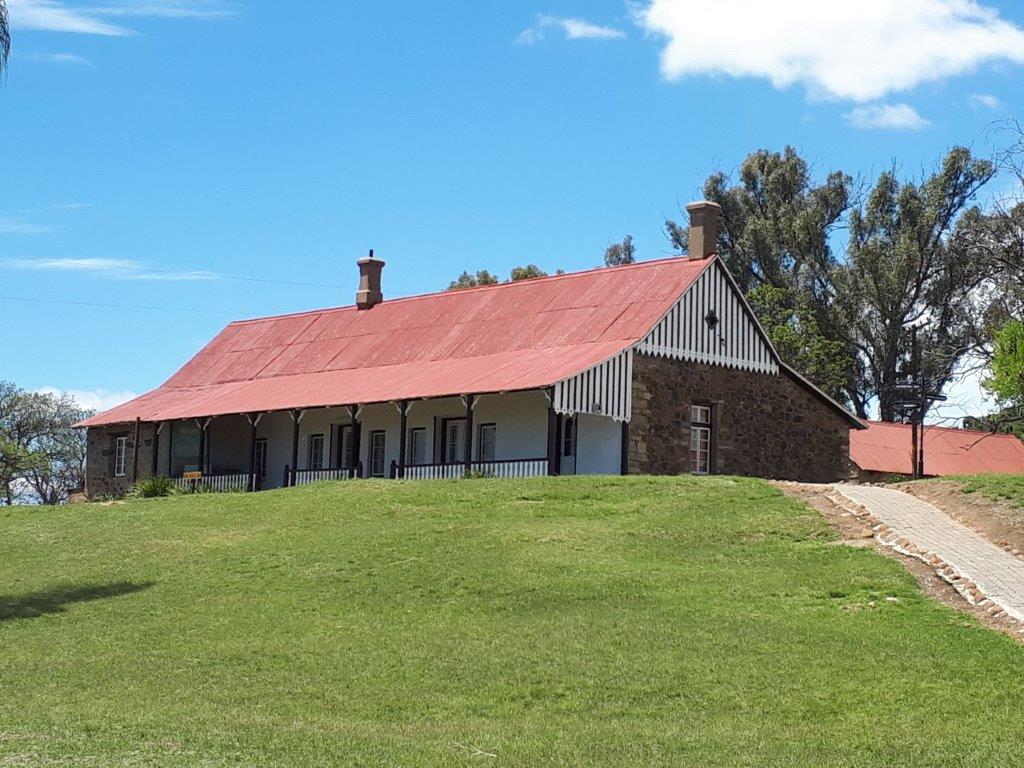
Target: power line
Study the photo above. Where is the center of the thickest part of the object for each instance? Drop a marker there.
(105, 305)
(55, 264)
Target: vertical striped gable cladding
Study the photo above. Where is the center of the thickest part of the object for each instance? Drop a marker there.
(604, 390)
(733, 340)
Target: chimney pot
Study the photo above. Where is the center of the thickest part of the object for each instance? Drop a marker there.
(704, 217)
(369, 293)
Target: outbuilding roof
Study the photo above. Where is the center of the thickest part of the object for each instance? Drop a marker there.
(514, 336)
(886, 447)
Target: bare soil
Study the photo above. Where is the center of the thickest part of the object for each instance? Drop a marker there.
(852, 532)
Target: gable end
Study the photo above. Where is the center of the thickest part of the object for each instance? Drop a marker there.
(712, 323)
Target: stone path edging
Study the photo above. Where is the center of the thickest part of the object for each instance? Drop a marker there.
(856, 502)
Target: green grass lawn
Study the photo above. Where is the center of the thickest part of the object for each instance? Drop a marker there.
(571, 621)
(999, 487)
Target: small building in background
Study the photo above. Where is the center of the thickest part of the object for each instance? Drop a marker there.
(885, 449)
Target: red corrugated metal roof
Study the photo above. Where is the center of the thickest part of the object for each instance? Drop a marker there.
(513, 336)
(885, 447)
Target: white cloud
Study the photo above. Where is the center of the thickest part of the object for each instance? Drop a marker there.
(61, 58)
(167, 9)
(899, 117)
(842, 50)
(18, 227)
(984, 100)
(573, 28)
(93, 399)
(60, 16)
(54, 16)
(121, 269)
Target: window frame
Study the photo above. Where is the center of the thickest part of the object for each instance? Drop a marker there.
(120, 455)
(346, 453)
(480, 441)
(568, 442)
(460, 449)
(374, 433)
(702, 429)
(262, 448)
(316, 439)
(416, 460)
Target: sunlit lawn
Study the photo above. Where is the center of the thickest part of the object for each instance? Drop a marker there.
(570, 621)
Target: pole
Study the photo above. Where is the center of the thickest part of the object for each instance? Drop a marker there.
(553, 439)
(470, 403)
(296, 418)
(403, 420)
(135, 452)
(252, 450)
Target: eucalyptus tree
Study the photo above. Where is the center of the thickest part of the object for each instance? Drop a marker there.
(911, 272)
(777, 239)
(5, 36)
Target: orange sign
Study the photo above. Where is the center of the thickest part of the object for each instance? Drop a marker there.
(192, 475)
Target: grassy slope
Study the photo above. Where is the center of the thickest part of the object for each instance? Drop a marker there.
(999, 487)
(573, 622)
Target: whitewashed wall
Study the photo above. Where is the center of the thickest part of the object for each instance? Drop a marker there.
(734, 342)
(522, 420)
(598, 445)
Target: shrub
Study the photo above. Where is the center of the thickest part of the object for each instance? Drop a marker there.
(152, 487)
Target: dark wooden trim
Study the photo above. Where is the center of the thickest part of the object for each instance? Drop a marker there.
(295, 447)
(554, 450)
(135, 451)
(202, 444)
(253, 483)
(468, 450)
(403, 426)
(170, 448)
(624, 455)
(156, 448)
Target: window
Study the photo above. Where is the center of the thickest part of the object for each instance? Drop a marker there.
(345, 448)
(315, 459)
(377, 456)
(700, 439)
(569, 437)
(486, 440)
(417, 446)
(454, 441)
(261, 459)
(120, 453)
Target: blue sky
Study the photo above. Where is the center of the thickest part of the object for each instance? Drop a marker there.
(156, 149)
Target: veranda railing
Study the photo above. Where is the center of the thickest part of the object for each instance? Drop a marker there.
(506, 468)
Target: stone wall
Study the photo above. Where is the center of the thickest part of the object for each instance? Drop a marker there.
(766, 426)
(99, 458)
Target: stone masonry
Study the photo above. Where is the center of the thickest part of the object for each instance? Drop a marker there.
(765, 426)
(99, 458)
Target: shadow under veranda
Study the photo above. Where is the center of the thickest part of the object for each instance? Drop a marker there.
(55, 600)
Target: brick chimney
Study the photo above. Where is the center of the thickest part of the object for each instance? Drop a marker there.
(369, 293)
(704, 216)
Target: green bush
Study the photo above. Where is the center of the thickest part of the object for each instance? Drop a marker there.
(153, 487)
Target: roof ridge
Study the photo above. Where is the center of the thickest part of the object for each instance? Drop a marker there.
(944, 429)
(463, 291)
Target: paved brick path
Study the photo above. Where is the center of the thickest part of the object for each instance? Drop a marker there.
(997, 573)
